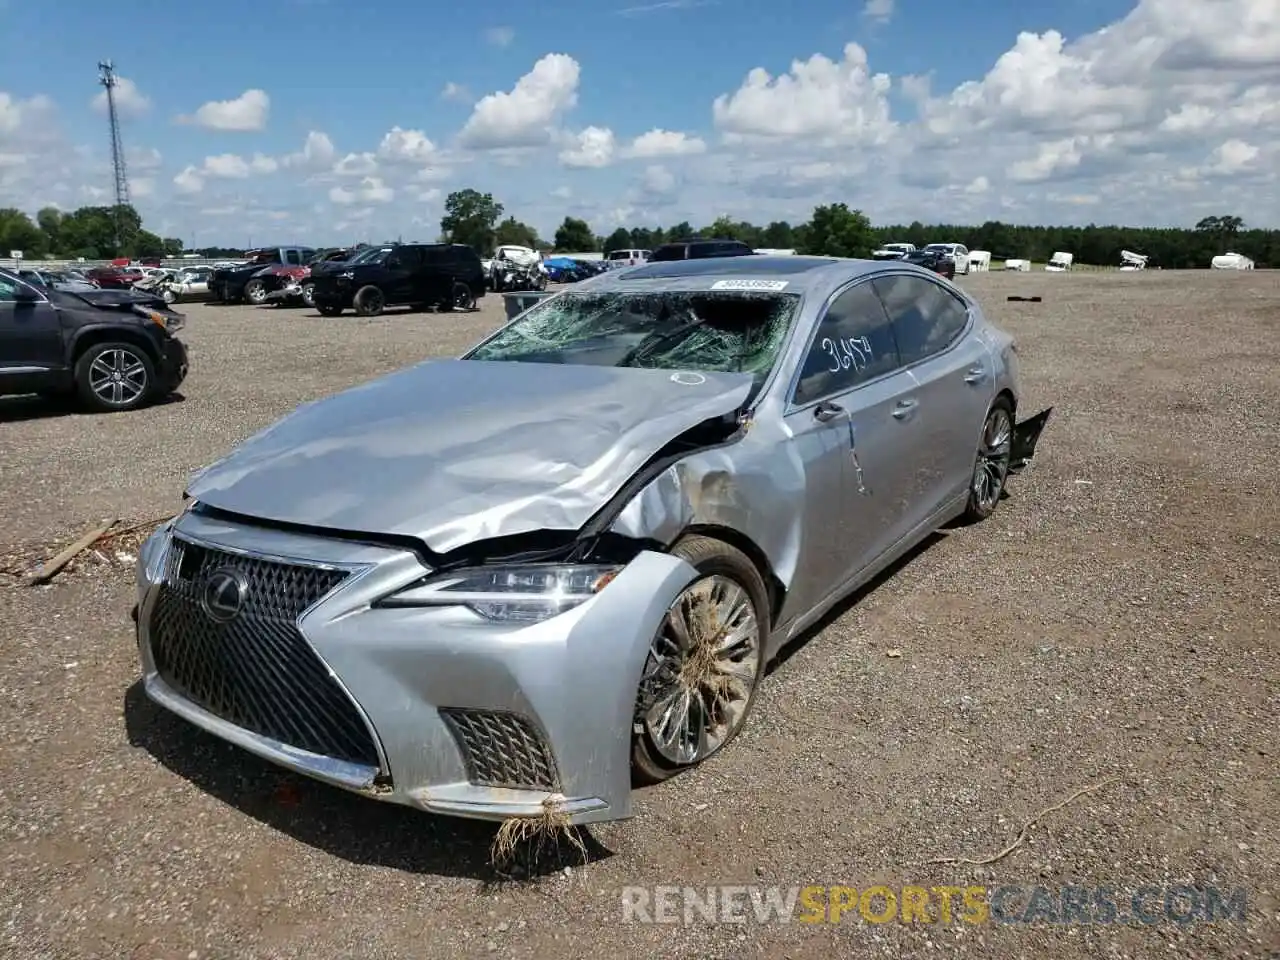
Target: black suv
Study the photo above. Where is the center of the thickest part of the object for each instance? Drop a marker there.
(115, 348)
(697, 248)
(444, 275)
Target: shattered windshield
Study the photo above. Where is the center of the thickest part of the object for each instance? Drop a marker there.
(712, 332)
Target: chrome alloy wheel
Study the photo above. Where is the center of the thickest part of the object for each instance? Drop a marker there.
(994, 449)
(117, 377)
(702, 668)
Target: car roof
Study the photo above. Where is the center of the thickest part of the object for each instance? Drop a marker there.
(792, 274)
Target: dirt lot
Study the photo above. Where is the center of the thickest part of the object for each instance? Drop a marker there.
(1117, 617)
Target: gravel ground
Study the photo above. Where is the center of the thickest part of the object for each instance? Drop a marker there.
(1116, 618)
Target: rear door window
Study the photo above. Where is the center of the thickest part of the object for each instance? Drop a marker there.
(927, 319)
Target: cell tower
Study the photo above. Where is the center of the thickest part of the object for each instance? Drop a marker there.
(107, 77)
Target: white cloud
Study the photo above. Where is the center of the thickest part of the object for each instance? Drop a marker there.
(356, 165)
(143, 159)
(592, 147)
(317, 153)
(370, 190)
(1233, 156)
(500, 36)
(818, 100)
(246, 113)
(979, 184)
(665, 143)
(130, 101)
(141, 187)
(406, 146)
(525, 116)
(456, 92)
(881, 11)
(189, 180)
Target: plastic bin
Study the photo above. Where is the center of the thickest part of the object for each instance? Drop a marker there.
(521, 300)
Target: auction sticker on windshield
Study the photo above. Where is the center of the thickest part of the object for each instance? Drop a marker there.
(772, 285)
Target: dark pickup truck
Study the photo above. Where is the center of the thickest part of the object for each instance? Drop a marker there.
(234, 284)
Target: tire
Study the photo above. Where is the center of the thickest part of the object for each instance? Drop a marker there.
(255, 291)
(328, 310)
(462, 298)
(655, 758)
(100, 390)
(369, 301)
(308, 294)
(991, 464)
(169, 296)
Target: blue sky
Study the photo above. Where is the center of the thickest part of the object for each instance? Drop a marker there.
(1089, 110)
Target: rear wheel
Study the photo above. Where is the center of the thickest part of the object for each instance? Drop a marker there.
(991, 467)
(705, 663)
(462, 297)
(115, 376)
(369, 301)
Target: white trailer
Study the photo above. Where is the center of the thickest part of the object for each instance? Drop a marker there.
(1231, 261)
(979, 261)
(1022, 266)
(1060, 262)
(1133, 261)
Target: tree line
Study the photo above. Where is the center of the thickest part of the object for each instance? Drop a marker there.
(95, 233)
(480, 221)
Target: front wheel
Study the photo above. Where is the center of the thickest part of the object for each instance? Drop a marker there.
(309, 294)
(369, 301)
(169, 296)
(255, 291)
(991, 467)
(114, 376)
(704, 665)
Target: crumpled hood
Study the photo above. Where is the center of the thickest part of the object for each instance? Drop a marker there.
(455, 451)
(113, 298)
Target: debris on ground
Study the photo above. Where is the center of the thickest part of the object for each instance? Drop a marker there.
(523, 843)
(111, 542)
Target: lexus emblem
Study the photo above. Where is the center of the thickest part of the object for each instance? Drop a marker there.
(224, 594)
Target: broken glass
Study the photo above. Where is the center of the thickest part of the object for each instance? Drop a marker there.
(711, 332)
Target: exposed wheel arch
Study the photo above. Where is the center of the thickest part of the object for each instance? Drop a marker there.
(773, 585)
(121, 334)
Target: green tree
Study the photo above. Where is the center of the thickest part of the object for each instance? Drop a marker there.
(470, 217)
(778, 235)
(574, 236)
(17, 232)
(837, 231)
(173, 247)
(144, 243)
(49, 220)
(681, 231)
(514, 232)
(620, 239)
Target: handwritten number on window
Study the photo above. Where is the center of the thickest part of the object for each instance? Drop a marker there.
(847, 353)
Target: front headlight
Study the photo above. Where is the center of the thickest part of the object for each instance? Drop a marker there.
(517, 593)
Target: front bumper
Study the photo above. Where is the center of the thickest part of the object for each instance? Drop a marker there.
(434, 708)
(334, 293)
(173, 364)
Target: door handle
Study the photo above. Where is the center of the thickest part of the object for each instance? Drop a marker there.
(903, 408)
(826, 411)
(975, 374)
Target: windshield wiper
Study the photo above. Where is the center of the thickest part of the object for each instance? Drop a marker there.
(657, 339)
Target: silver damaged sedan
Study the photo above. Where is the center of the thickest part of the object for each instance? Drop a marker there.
(557, 566)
